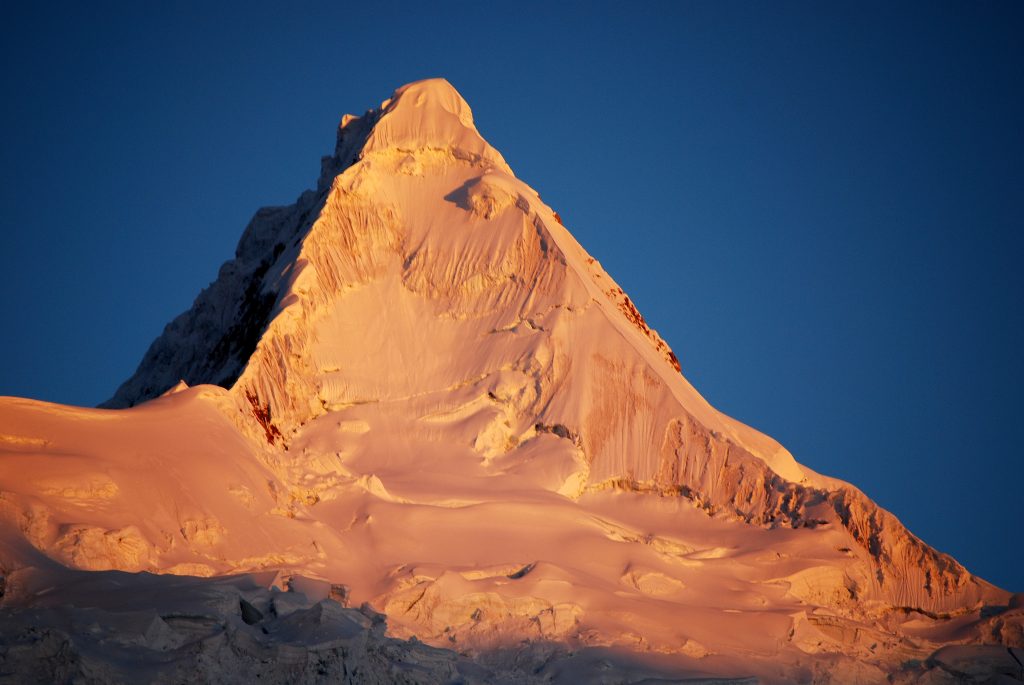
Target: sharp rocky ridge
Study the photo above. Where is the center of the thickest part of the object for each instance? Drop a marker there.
(422, 328)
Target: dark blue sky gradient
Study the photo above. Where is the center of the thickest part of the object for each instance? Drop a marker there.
(819, 207)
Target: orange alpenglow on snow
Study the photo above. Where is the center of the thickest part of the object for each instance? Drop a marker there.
(413, 392)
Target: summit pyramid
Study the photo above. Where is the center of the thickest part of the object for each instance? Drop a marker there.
(416, 385)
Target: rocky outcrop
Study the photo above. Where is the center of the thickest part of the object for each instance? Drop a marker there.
(167, 629)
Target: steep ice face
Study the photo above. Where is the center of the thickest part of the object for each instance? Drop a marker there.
(212, 342)
(421, 202)
(425, 295)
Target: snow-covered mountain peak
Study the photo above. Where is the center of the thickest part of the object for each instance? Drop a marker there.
(423, 280)
(430, 114)
(435, 400)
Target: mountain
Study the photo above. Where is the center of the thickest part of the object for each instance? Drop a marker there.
(415, 387)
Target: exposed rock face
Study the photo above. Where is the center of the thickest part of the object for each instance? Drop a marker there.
(433, 394)
(165, 629)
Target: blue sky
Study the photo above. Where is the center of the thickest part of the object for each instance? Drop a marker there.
(819, 207)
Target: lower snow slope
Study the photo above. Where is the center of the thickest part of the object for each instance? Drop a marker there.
(466, 553)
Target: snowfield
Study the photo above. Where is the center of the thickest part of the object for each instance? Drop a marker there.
(413, 395)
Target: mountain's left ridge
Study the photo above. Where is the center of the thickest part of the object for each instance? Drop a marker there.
(212, 340)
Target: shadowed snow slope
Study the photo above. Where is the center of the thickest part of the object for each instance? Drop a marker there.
(415, 383)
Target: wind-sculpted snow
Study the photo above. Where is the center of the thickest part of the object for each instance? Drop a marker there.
(435, 401)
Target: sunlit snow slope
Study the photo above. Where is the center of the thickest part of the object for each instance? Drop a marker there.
(431, 394)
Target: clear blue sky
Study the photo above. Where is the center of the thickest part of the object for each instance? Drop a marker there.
(819, 207)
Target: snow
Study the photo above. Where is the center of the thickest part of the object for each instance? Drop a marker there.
(437, 403)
